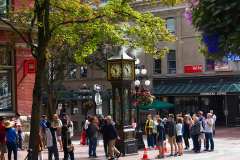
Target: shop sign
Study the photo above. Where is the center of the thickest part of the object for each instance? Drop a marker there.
(233, 57)
(222, 66)
(29, 66)
(193, 68)
(213, 93)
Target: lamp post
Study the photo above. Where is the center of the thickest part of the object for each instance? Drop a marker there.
(141, 73)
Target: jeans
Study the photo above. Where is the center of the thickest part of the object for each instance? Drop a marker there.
(53, 151)
(105, 144)
(12, 147)
(20, 139)
(68, 154)
(150, 140)
(209, 138)
(186, 141)
(92, 146)
(154, 139)
(196, 144)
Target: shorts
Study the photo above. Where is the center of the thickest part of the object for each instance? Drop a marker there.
(172, 139)
(160, 143)
(3, 148)
(179, 139)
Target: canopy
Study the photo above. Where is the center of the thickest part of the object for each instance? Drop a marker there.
(157, 105)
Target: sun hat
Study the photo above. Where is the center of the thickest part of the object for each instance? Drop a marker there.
(8, 124)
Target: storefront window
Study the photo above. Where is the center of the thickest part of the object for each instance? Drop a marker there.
(5, 90)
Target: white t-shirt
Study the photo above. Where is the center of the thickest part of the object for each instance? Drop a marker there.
(209, 125)
(179, 129)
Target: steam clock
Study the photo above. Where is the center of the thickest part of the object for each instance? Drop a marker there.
(121, 74)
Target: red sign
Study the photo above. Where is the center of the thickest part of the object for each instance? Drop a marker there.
(193, 69)
(29, 66)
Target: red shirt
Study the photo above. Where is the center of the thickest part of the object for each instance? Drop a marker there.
(2, 133)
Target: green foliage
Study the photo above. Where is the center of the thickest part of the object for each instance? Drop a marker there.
(221, 17)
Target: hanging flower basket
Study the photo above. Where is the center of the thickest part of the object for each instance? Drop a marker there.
(143, 97)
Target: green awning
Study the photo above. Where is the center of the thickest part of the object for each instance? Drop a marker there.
(196, 88)
(157, 105)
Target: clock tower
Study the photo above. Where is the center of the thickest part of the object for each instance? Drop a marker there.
(121, 74)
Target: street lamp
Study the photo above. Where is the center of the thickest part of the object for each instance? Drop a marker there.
(141, 73)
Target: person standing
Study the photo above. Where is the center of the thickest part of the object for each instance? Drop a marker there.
(209, 132)
(43, 127)
(201, 119)
(195, 133)
(105, 142)
(111, 135)
(161, 138)
(214, 121)
(155, 124)
(186, 131)
(2, 139)
(51, 142)
(92, 136)
(171, 132)
(149, 131)
(179, 130)
(11, 139)
(57, 125)
(68, 148)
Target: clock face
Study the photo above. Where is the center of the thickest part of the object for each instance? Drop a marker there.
(127, 71)
(115, 70)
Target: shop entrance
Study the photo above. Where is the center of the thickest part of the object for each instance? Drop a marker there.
(215, 103)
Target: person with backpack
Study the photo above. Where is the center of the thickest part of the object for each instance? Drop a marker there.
(149, 131)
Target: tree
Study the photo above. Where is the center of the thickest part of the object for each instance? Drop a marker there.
(218, 22)
(86, 24)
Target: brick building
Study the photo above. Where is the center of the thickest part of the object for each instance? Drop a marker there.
(16, 69)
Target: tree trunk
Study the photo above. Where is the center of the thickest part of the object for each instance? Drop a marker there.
(36, 105)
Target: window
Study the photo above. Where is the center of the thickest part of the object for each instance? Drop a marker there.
(83, 71)
(157, 66)
(5, 56)
(4, 7)
(170, 25)
(5, 90)
(210, 65)
(171, 60)
(6, 81)
(71, 71)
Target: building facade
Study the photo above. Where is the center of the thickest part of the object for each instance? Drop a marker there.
(17, 69)
(188, 79)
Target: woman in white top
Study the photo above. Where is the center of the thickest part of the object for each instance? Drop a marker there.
(179, 130)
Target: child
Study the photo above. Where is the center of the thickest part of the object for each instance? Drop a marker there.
(179, 130)
(161, 137)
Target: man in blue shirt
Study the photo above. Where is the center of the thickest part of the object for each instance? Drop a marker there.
(11, 139)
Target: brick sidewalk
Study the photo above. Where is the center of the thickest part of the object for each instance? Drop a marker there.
(227, 144)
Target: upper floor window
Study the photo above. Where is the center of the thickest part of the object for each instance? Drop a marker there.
(171, 62)
(4, 5)
(5, 56)
(71, 71)
(170, 25)
(157, 66)
(83, 71)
